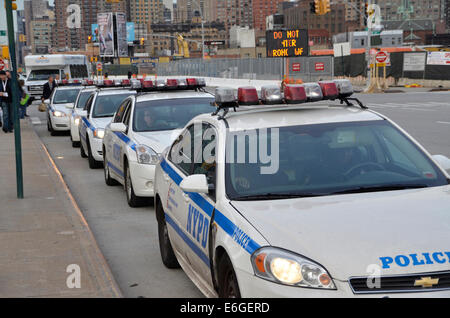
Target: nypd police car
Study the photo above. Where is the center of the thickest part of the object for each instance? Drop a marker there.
(78, 112)
(143, 127)
(100, 110)
(312, 200)
(59, 107)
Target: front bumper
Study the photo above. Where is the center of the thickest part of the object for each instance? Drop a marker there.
(143, 178)
(254, 287)
(60, 123)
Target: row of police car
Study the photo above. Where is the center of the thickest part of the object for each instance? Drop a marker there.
(300, 193)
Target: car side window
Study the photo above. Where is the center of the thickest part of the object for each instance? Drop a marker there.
(205, 158)
(181, 152)
(88, 106)
(118, 118)
(127, 115)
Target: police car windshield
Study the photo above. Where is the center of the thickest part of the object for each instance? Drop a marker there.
(65, 96)
(107, 105)
(325, 159)
(42, 75)
(168, 114)
(84, 96)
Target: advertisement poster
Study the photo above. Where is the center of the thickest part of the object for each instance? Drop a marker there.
(122, 43)
(414, 62)
(106, 34)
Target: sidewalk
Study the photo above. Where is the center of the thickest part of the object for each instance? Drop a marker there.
(41, 235)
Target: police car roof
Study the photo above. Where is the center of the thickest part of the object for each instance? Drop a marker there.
(254, 117)
(176, 94)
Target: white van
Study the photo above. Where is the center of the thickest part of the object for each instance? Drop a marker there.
(40, 67)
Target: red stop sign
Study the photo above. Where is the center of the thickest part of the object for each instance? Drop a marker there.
(381, 57)
(2, 64)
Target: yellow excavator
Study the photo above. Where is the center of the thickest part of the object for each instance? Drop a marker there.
(183, 47)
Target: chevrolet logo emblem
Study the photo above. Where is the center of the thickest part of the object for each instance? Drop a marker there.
(426, 282)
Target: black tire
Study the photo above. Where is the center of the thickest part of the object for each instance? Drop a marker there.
(93, 164)
(82, 152)
(108, 180)
(228, 284)
(165, 247)
(133, 200)
(49, 128)
(75, 144)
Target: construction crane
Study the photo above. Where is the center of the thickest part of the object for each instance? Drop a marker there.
(183, 47)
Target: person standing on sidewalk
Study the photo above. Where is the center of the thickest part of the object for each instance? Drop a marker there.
(6, 102)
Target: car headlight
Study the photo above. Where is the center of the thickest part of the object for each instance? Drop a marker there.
(77, 120)
(99, 133)
(146, 155)
(287, 268)
(57, 113)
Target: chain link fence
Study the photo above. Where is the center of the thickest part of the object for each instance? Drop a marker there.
(306, 68)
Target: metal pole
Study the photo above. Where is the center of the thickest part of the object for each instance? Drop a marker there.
(15, 101)
(369, 46)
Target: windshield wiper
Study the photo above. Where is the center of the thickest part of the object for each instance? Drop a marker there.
(380, 188)
(275, 196)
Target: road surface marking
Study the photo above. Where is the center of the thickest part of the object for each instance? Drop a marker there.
(443, 122)
(36, 121)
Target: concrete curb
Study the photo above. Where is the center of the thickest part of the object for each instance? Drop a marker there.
(98, 256)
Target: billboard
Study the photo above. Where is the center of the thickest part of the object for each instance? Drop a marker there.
(287, 43)
(122, 43)
(106, 34)
(131, 33)
(438, 58)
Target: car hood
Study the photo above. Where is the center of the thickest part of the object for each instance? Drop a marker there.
(62, 107)
(101, 122)
(33, 83)
(158, 140)
(347, 233)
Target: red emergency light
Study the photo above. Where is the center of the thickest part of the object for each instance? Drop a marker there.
(108, 83)
(171, 83)
(147, 84)
(295, 94)
(329, 90)
(248, 96)
(191, 82)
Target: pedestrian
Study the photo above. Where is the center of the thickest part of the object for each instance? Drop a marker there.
(6, 102)
(106, 75)
(25, 99)
(49, 87)
(130, 75)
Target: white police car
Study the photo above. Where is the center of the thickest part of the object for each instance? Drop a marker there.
(303, 200)
(143, 127)
(100, 110)
(59, 107)
(78, 111)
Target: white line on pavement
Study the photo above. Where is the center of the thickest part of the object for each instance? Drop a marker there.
(443, 122)
(35, 121)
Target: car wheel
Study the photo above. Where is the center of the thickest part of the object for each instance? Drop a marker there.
(108, 180)
(49, 128)
(165, 247)
(93, 164)
(75, 144)
(228, 284)
(133, 200)
(82, 152)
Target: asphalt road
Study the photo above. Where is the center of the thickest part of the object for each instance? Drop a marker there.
(128, 237)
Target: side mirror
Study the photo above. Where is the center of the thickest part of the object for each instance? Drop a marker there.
(443, 162)
(196, 183)
(83, 113)
(118, 127)
(70, 106)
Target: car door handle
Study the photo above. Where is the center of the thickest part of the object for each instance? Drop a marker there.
(186, 197)
(166, 177)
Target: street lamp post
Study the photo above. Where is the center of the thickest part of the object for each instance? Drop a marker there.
(15, 100)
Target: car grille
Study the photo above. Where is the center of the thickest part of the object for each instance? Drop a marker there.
(403, 283)
(35, 89)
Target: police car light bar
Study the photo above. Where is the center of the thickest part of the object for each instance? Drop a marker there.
(345, 88)
(69, 83)
(329, 90)
(145, 85)
(313, 92)
(295, 94)
(248, 96)
(271, 94)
